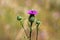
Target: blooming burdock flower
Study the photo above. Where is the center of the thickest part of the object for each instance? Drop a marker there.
(32, 12)
(32, 15)
(31, 19)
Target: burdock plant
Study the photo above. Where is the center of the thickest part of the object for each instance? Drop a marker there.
(31, 20)
(37, 28)
(19, 18)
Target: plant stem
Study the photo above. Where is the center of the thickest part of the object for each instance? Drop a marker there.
(37, 31)
(30, 30)
(24, 29)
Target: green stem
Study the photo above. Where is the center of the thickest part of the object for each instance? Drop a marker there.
(24, 29)
(37, 31)
(30, 30)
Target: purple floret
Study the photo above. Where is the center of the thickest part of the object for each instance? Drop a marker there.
(34, 12)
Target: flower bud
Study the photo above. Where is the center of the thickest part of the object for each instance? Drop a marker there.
(19, 18)
(31, 19)
(38, 22)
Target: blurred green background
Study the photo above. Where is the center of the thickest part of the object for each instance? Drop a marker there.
(48, 14)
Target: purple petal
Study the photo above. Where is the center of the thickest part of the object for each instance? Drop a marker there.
(32, 12)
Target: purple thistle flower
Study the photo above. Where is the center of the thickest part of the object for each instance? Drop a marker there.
(32, 12)
(31, 19)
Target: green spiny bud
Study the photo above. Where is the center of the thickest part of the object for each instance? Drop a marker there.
(31, 19)
(19, 18)
(38, 22)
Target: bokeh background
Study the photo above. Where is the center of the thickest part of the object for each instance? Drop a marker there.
(48, 14)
